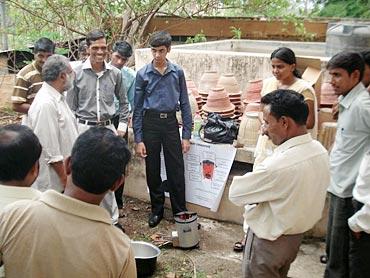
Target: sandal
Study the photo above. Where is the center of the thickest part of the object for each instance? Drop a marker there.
(238, 247)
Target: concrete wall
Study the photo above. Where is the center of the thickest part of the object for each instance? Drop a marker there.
(247, 59)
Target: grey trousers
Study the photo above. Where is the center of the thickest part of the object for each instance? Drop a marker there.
(269, 259)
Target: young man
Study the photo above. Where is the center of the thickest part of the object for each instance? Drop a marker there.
(352, 141)
(29, 79)
(96, 85)
(53, 122)
(285, 194)
(69, 235)
(121, 52)
(160, 91)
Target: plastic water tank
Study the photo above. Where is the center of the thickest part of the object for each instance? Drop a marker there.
(347, 36)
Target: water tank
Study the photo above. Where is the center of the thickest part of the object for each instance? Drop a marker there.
(347, 36)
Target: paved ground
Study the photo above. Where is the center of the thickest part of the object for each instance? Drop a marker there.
(214, 257)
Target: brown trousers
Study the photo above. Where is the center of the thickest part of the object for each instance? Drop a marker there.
(269, 259)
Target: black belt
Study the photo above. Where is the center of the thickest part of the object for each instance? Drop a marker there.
(159, 115)
(101, 123)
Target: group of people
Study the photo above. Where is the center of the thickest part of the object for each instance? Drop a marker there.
(70, 150)
(71, 141)
(284, 195)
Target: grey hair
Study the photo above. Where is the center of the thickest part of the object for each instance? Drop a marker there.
(53, 66)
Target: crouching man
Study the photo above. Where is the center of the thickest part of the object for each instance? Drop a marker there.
(284, 196)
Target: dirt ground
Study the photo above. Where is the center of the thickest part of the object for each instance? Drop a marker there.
(215, 256)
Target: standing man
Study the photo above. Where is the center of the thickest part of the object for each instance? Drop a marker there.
(352, 141)
(96, 85)
(160, 91)
(29, 80)
(285, 194)
(121, 52)
(53, 122)
(69, 235)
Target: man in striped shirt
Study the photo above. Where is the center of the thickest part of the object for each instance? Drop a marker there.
(29, 79)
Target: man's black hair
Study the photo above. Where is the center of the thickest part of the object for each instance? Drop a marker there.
(44, 45)
(287, 103)
(20, 149)
(98, 159)
(160, 38)
(349, 61)
(123, 48)
(366, 55)
(94, 35)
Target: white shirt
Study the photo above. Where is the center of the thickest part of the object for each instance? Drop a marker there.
(285, 194)
(352, 141)
(360, 221)
(10, 194)
(54, 124)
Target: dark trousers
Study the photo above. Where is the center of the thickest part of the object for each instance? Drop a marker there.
(359, 253)
(163, 132)
(119, 192)
(338, 237)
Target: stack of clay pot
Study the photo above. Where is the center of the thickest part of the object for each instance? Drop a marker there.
(208, 81)
(328, 96)
(218, 101)
(193, 91)
(249, 130)
(253, 92)
(232, 88)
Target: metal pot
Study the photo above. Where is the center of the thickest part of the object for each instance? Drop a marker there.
(146, 257)
(187, 229)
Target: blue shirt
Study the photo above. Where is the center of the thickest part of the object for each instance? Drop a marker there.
(162, 93)
(352, 141)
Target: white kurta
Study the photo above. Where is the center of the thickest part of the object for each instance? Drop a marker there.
(54, 124)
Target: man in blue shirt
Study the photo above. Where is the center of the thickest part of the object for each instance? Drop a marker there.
(160, 91)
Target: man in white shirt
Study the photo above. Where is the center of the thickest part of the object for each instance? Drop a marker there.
(352, 141)
(53, 122)
(359, 223)
(284, 196)
(19, 165)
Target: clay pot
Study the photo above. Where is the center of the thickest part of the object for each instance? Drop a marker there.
(218, 101)
(192, 88)
(328, 96)
(325, 115)
(253, 92)
(252, 107)
(249, 130)
(327, 134)
(208, 81)
(229, 82)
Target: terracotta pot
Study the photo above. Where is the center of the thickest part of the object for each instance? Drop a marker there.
(328, 96)
(229, 82)
(252, 107)
(249, 130)
(218, 101)
(253, 92)
(208, 81)
(327, 134)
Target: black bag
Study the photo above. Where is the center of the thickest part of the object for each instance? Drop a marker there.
(219, 130)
